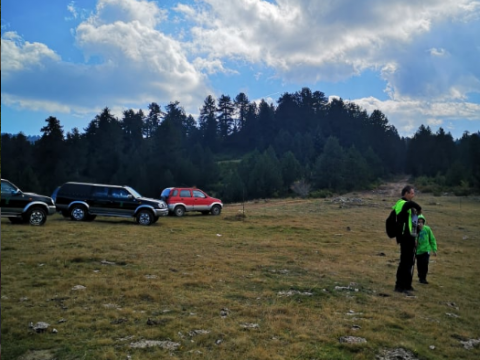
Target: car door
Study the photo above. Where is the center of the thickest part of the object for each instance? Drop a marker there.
(13, 200)
(99, 201)
(201, 202)
(121, 202)
(186, 198)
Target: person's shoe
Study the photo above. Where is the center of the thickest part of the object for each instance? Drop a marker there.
(399, 289)
(423, 281)
(408, 293)
(410, 288)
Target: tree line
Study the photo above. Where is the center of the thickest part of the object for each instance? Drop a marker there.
(238, 149)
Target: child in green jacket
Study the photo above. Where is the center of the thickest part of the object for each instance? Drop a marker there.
(426, 243)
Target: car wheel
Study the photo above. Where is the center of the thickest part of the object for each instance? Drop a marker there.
(179, 211)
(36, 216)
(145, 217)
(15, 220)
(78, 213)
(216, 210)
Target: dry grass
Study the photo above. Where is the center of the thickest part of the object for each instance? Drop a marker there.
(274, 269)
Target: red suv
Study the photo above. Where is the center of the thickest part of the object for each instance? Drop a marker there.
(181, 200)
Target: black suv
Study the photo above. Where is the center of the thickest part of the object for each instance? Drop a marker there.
(22, 207)
(84, 201)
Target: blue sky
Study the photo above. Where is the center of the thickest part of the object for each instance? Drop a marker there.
(416, 61)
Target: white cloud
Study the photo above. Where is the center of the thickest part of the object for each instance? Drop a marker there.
(130, 64)
(408, 115)
(72, 9)
(19, 55)
(437, 52)
(309, 40)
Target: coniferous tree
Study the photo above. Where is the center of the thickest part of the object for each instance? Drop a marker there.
(225, 110)
(241, 105)
(105, 144)
(76, 155)
(208, 123)
(329, 168)
(291, 169)
(50, 156)
(153, 120)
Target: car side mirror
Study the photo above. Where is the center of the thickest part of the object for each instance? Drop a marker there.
(16, 192)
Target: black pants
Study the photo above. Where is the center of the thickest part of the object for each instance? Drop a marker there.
(422, 265)
(407, 260)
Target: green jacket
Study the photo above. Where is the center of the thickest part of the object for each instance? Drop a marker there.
(426, 239)
(403, 208)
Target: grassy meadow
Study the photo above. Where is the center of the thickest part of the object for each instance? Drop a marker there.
(287, 281)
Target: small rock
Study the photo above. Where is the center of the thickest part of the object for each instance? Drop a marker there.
(198, 332)
(452, 315)
(431, 347)
(39, 327)
(224, 312)
(396, 354)
(54, 331)
(469, 344)
(250, 326)
(105, 262)
(168, 345)
(352, 340)
(78, 287)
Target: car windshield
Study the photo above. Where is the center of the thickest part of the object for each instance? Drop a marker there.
(133, 192)
(8, 187)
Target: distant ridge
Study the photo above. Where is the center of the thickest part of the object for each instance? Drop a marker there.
(30, 138)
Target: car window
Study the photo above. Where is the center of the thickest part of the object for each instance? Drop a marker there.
(175, 193)
(119, 193)
(185, 193)
(198, 194)
(8, 188)
(100, 191)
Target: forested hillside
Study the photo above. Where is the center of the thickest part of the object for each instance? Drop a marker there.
(238, 149)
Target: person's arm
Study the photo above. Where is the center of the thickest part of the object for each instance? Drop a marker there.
(433, 242)
(412, 205)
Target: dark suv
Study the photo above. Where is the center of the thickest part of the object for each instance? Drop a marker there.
(84, 201)
(22, 207)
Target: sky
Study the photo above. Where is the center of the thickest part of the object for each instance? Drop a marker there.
(416, 61)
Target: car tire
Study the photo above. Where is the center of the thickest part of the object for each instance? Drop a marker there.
(36, 216)
(216, 210)
(78, 213)
(179, 211)
(145, 217)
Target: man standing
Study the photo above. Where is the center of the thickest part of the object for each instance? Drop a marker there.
(404, 208)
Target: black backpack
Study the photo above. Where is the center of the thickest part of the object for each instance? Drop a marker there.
(391, 225)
